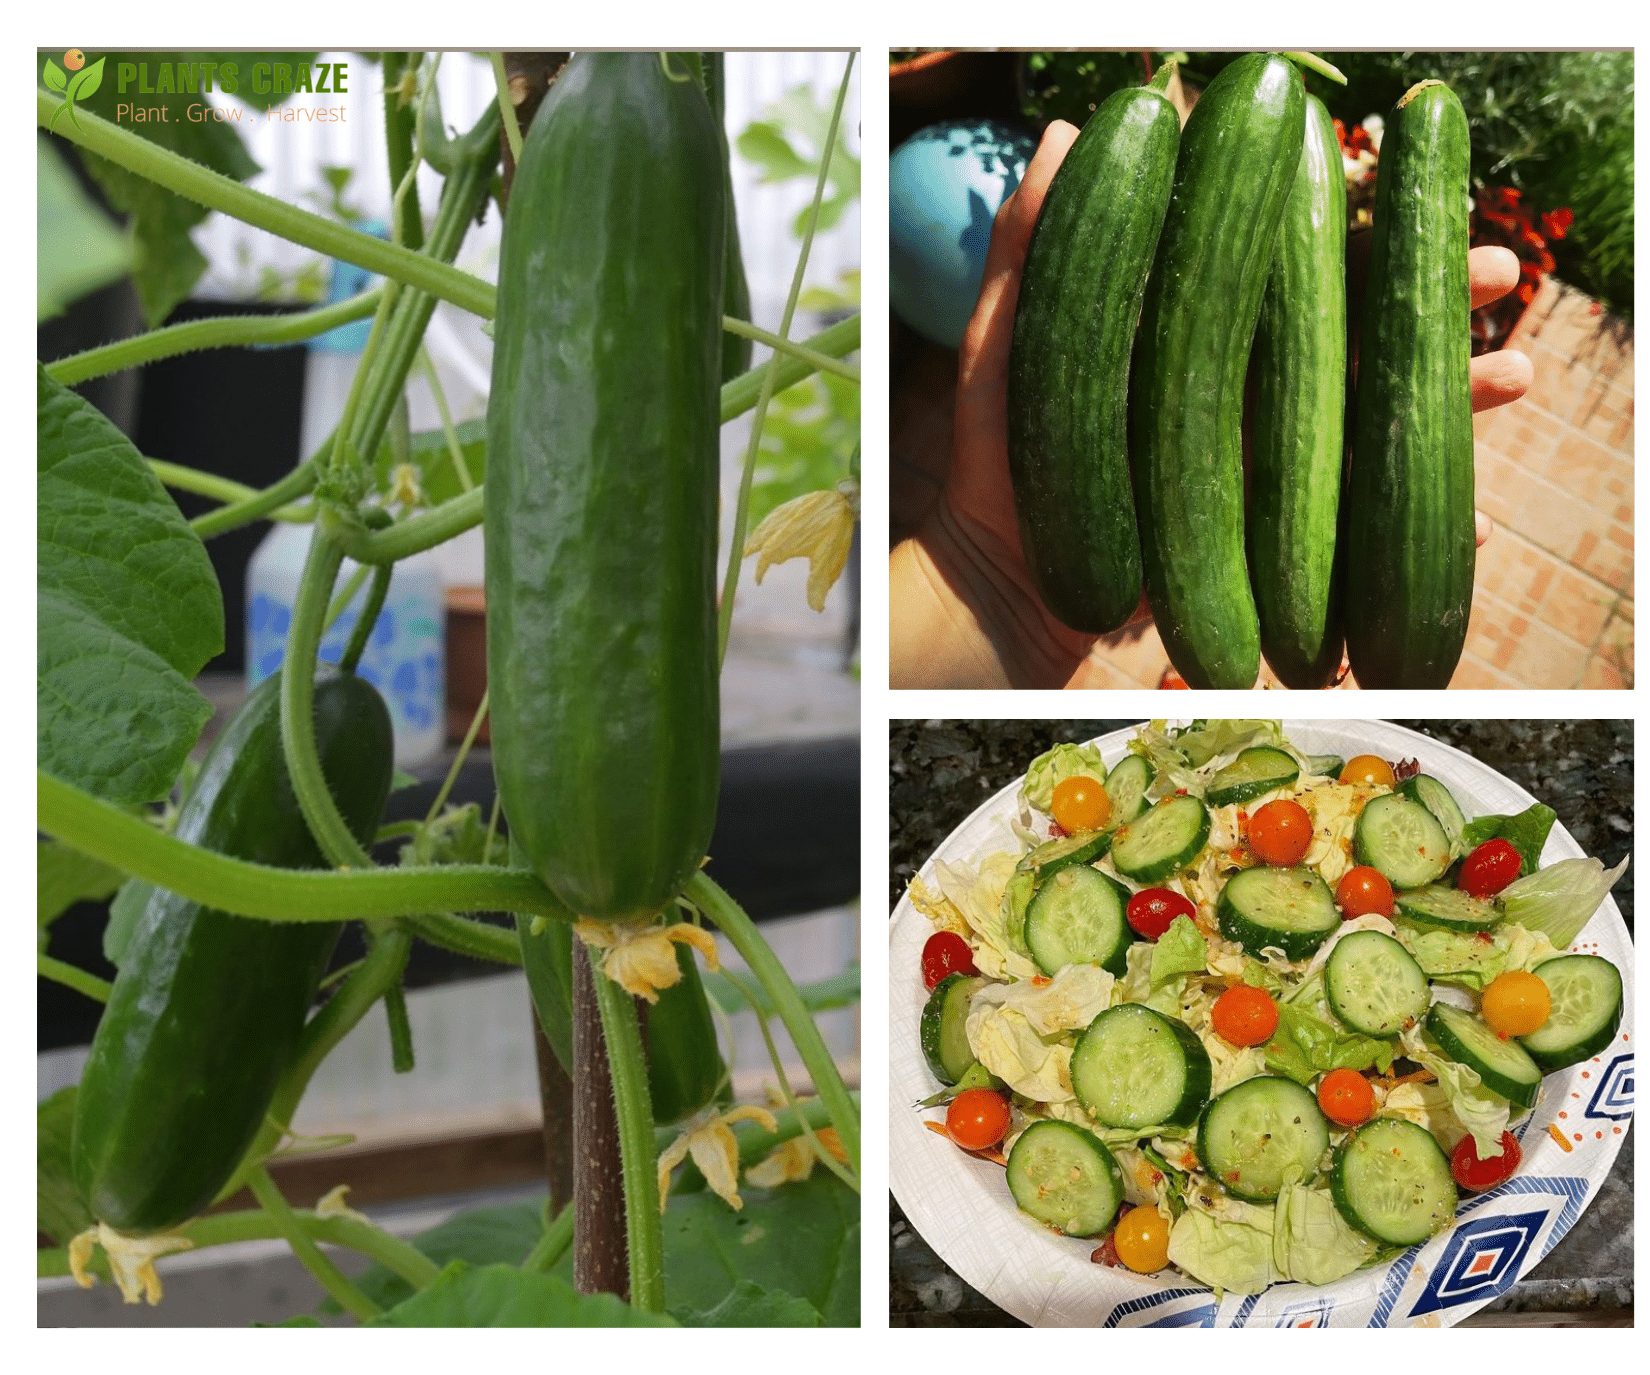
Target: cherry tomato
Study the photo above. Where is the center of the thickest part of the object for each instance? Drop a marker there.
(1142, 1240)
(1478, 1175)
(1517, 1003)
(946, 953)
(1346, 1097)
(1151, 911)
(1244, 1015)
(1363, 892)
(977, 1119)
(1280, 833)
(1080, 804)
(1369, 769)
(1489, 868)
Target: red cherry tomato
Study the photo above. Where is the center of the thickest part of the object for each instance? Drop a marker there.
(1152, 911)
(1346, 1097)
(1370, 770)
(1244, 1015)
(1363, 892)
(946, 953)
(1489, 868)
(1478, 1175)
(977, 1119)
(1280, 833)
(1080, 804)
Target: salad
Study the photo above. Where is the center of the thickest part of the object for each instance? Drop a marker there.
(1235, 1013)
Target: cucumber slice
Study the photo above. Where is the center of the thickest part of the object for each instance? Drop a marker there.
(1166, 839)
(1586, 1013)
(1438, 800)
(1391, 1180)
(1260, 1135)
(1449, 909)
(1289, 909)
(1134, 1067)
(1402, 839)
(1325, 765)
(944, 1027)
(1374, 985)
(1051, 856)
(1079, 917)
(1063, 1175)
(1258, 769)
(1126, 786)
(1504, 1066)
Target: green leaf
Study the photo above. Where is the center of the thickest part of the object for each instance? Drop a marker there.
(801, 1238)
(750, 1305)
(765, 145)
(129, 610)
(59, 1210)
(1526, 832)
(54, 78)
(840, 990)
(499, 1235)
(64, 877)
(85, 82)
(78, 247)
(502, 1296)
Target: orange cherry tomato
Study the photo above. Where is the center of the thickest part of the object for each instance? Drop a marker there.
(1478, 1175)
(1244, 1015)
(1280, 833)
(1369, 769)
(1080, 804)
(1346, 1097)
(1517, 1003)
(1142, 1240)
(977, 1119)
(1363, 892)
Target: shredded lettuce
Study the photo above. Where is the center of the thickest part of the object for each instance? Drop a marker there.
(1560, 899)
(1060, 763)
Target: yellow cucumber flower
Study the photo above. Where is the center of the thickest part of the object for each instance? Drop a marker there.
(639, 957)
(819, 527)
(131, 1259)
(707, 1137)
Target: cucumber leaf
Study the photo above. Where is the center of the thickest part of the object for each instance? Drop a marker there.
(79, 248)
(64, 877)
(750, 1305)
(128, 610)
(503, 1296)
(1526, 832)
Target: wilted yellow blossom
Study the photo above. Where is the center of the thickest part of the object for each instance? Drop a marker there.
(639, 956)
(794, 1160)
(818, 527)
(332, 1205)
(715, 1150)
(131, 1259)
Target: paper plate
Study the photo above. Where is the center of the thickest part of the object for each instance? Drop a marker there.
(962, 1208)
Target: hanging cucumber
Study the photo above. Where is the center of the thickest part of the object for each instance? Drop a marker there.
(1410, 537)
(1239, 154)
(736, 292)
(1068, 371)
(1299, 421)
(207, 1008)
(602, 434)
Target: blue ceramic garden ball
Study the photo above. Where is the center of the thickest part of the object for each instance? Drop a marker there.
(945, 185)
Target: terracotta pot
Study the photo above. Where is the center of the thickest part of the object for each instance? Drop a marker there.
(466, 661)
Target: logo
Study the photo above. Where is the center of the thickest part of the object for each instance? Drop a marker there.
(80, 83)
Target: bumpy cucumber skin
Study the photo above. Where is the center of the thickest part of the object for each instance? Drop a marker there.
(207, 1008)
(1068, 371)
(1411, 546)
(1239, 154)
(602, 434)
(684, 1065)
(1297, 439)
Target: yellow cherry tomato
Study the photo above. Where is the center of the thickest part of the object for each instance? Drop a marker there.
(1369, 769)
(1517, 1003)
(1080, 804)
(1142, 1240)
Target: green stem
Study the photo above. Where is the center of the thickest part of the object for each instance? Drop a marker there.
(552, 1244)
(109, 833)
(411, 536)
(217, 332)
(194, 182)
(821, 361)
(1318, 65)
(224, 489)
(1163, 75)
(622, 1033)
(59, 971)
(400, 125)
(741, 516)
(300, 482)
(478, 940)
(368, 618)
(730, 918)
(253, 1224)
(741, 393)
(330, 1277)
(476, 718)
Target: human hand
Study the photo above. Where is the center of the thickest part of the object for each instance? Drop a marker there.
(962, 608)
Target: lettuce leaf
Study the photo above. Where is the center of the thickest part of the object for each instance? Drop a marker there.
(1231, 1250)
(1309, 1040)
(1560, 900)
(1061, 762)
(1526, 832)
(1311, 1241)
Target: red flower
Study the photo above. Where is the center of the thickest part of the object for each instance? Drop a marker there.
(1361, 139)
(1526, 292)
(1556, 223)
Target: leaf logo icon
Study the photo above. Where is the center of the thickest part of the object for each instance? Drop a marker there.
(80, 86)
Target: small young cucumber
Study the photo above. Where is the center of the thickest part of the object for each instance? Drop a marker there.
(1068, 368)
(1299, 421)
(1239, 155)
(1410, 537)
